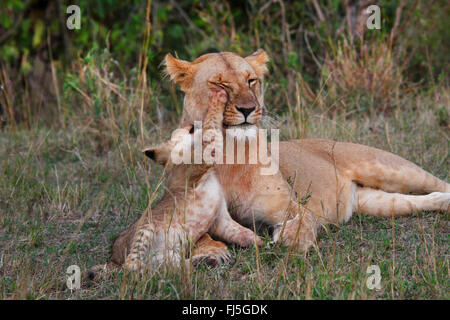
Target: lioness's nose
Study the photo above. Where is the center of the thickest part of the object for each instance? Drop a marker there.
(246, 110)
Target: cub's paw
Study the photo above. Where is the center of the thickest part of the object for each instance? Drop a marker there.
(212, 145)
(212, 260)
(214, 257)
(211, 135)
(218, 97)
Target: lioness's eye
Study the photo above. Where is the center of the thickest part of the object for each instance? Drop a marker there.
(251, 82)
(220, 84)
(224, 86)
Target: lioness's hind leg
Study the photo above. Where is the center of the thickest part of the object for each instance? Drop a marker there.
(384, 204)
(210, 252)
(383, 170)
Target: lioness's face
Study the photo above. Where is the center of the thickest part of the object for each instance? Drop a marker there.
(242, 78)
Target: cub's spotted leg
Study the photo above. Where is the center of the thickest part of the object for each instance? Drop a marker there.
(167, 241)
(120, 248)
(137, 259)
(214, 118)
(212, 127)
(151, 248)
(211, 252)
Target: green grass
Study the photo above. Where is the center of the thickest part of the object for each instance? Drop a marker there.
(65, 194)
(72, 176)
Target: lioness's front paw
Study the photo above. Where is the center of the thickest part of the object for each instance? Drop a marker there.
(248, 238)
(294, 234)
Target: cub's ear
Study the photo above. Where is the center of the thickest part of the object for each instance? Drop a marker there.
(179, 71)
(258, 60)
(158, 154)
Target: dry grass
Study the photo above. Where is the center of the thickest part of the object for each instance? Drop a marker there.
(64, 195)
(367, 78)
(69, 187)
(72, 175)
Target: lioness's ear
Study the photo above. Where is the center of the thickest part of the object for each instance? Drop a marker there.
(158, 154)
(180, 71)
(258, 60)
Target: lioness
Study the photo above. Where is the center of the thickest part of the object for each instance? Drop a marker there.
(340, 178)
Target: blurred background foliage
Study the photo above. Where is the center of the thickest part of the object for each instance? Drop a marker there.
(49, 72)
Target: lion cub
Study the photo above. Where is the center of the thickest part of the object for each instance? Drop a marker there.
(193, 204)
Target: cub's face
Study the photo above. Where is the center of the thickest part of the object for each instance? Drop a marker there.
(242, 78)
(181, 139)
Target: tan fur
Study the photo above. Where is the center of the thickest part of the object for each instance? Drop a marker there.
(240, 185)
(341, 178)
(344, 178)
(185, 214)
(211, 252)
